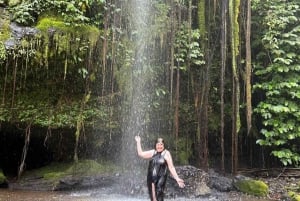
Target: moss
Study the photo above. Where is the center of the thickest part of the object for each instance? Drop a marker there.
(252, 187)
(57, 171)
(47, 23)
(4, 35)
(14, 2)
(57, 24)
(294, 196)
(4, 30)
(2, 177)
(67, 39)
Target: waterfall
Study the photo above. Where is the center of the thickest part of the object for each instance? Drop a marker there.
(138, 90)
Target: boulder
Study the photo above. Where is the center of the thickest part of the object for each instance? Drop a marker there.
(252, 187)
(219, 182)
(195, 183)
(3, 180)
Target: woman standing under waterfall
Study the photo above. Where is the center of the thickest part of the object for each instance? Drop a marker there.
(160, 162)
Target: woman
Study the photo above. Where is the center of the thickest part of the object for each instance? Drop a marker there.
(161, 161)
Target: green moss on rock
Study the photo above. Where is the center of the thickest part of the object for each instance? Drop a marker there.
(57, 171)
(4, 35)
(252, 187)
(294, 196)
(2, 177)
(46, 24)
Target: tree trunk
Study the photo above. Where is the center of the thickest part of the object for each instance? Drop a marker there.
(248, 68)
(234, 30)
(176, 104)
(223, 68)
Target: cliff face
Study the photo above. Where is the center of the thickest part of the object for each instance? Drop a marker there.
(49, 86)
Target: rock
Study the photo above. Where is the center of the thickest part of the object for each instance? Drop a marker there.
(195, 183)
(19, 32)
(3, 180)
(195, 180)
(33, 184)
(66, 183)
(75, 183)
(219, 182)
(252, 187)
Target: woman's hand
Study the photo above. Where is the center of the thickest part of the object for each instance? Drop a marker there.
(137, 138)
(180, 183)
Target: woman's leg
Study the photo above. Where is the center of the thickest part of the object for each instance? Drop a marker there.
(153, 193)
(151, 190)
(160, 187)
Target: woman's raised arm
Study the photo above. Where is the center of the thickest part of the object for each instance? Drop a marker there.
(141, 153)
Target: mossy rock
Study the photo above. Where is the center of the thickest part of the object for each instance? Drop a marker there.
(2, 178)
(57, 24)
(252, 187)
(56, 171)
(294, 196)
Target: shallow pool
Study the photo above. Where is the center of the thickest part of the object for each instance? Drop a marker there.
(104, 195)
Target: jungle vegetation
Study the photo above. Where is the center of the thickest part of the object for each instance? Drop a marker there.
(223, 77)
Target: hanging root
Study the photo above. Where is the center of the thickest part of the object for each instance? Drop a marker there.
(25, 148)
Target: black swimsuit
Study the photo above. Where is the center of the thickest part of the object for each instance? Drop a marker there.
(157, 174)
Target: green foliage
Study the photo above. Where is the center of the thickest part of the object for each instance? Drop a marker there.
(4, 35)
(252, 187)
(74, 12)
(188, 48)
(51, 72)
(41, 112)
(14, 2)
(287, 157)
(279, 80)
(184, 150)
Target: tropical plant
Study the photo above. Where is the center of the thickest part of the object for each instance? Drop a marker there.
(278, 72)
(74, 12)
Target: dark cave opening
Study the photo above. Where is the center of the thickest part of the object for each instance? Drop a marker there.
(11, 149)
(41, 150)
(56, 145)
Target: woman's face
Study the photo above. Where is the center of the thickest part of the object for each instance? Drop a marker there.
(159, 146)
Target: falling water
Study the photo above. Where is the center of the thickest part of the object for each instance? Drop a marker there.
(138, 98)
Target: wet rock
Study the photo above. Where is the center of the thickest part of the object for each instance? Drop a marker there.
(32, 184)
(75, 183)
(64, 184)
(19, 32)
(219, 182)
(195, 183)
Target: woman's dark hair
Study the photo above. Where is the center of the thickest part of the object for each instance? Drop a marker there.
(159, 140)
